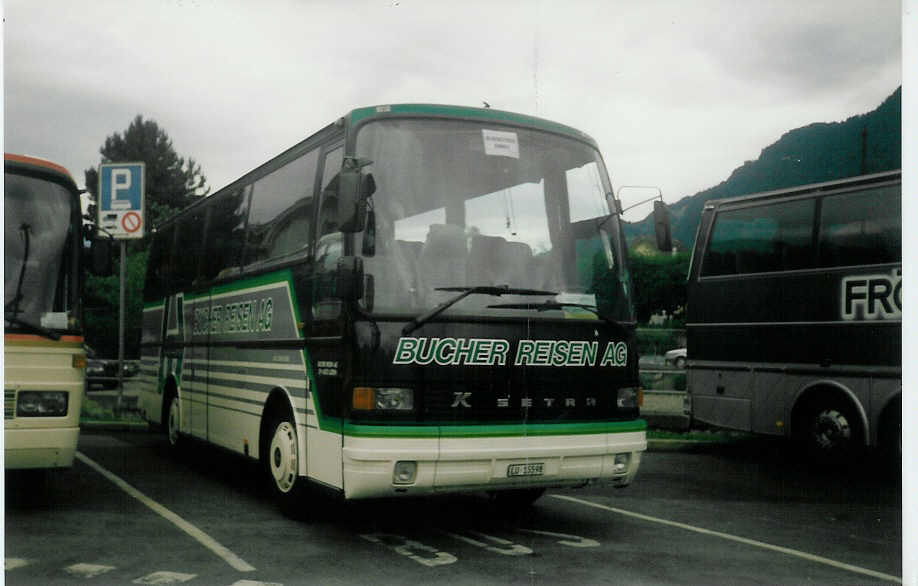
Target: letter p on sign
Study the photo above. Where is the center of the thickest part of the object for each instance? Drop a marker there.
(121, 184)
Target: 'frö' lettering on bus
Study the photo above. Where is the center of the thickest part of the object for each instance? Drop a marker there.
(242, 317)
(490, 352)
(866, 297)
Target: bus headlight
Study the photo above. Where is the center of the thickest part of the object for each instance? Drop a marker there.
(41, 404)
(383, 399)
(405, 472)
(630, 398)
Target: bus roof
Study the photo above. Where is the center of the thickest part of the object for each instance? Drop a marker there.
(812, 188)
(361, 115)
(38, 165)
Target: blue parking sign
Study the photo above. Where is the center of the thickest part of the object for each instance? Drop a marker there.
(121, 194)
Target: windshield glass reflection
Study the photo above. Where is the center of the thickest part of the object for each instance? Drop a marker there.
(462, 204)
(36, 218)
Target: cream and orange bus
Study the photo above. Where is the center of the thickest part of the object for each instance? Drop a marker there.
(43, 355)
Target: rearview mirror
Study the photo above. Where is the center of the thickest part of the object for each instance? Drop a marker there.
(661, 226)
(354, 187)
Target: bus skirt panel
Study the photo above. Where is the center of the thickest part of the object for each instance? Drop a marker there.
(372, 465)
(40, 448)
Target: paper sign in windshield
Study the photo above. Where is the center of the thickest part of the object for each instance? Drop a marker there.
(500, 143)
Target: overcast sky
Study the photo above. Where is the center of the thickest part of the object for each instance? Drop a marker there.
(676, 93)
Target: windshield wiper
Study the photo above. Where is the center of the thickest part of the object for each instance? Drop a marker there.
(558, 305)
(34, 328)
(13, 304)
(464, 292)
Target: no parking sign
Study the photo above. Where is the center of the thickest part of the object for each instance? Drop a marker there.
(121, 194)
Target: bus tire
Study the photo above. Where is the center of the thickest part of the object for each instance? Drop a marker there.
(829, 430)
(517, 498)
(280, 458)
(173, 423)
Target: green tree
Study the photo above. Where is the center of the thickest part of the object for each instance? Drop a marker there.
(101, 298)
(171, 183)
(659, 282)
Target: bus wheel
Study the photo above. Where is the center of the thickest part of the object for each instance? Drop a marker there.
(516, 498)
(829, 430)
(281, 459)
(174, 422)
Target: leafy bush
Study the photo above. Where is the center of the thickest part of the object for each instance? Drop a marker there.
(657, 341)
(93, 411)
(663, 381)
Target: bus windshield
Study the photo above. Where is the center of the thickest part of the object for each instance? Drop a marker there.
(462, 204)
(37, 216)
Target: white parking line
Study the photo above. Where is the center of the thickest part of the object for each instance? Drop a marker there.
(14, 563)
(204, 539)
(88, 570)
(752, 542)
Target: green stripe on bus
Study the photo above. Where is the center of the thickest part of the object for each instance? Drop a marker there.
(484, 430)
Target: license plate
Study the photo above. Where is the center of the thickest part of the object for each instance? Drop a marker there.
(525, 469)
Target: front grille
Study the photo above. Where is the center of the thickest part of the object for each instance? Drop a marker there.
(9, 404)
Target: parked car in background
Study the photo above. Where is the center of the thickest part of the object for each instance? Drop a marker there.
(100, 372)
(130, 368)
(103, 372)
(676, 357)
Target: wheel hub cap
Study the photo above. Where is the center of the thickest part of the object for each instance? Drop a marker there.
(831, 430)
(283, 459)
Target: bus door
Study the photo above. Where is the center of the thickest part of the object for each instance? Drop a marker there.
(196, 368)
(190, 303)
(224, 319)
(156, 322)
(327, 358)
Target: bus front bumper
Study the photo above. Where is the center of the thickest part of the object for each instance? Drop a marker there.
(40, 448)
(377, 467)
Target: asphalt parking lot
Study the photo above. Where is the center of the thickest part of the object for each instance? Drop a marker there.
(128, 512)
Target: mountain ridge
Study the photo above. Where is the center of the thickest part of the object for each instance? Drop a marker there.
(820, 151)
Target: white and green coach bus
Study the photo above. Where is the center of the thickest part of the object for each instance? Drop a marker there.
(415, 299)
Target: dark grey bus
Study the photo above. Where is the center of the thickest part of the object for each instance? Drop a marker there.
(795, 315)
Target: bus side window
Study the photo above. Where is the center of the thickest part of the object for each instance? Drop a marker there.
(330, 245)
(859, 228)
(760, 239)
(189, 248)
(328, 213)
(280, 213)
(225, 233)
(160, 265)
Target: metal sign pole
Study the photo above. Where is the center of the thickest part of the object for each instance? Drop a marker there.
(121, 195)
(121, 327)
